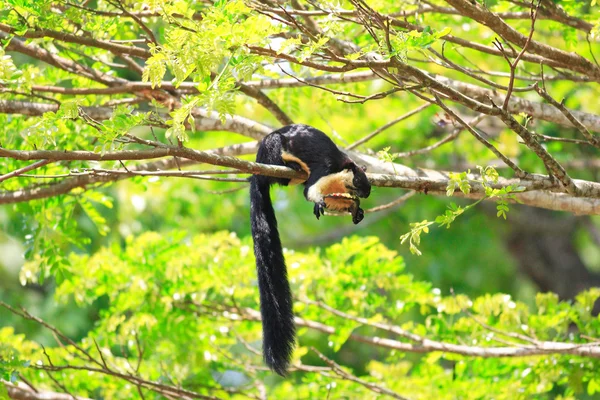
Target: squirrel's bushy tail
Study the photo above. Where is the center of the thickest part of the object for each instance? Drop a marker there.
(275, 296)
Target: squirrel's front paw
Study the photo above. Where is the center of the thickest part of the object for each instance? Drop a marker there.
(319, 209)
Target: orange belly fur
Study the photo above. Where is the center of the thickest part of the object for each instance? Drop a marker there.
(332, 186)
(338, 204)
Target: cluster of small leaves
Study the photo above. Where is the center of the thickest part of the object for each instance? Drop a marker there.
(11, 345)
(69, 128)
(461, 181)
(165, 292)
(385, 156)
(414, 236)
(403, 43)
(489, 177)
(196, 49)
(458, 180)
(121, 122)
(52, 126)
(303, 51)
(179, 118)
(10, 364)
(56, 232)
(7, 66)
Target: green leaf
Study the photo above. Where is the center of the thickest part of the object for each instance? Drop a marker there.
(593, 386)
(446, 31)
(69, 109)
(155, 69)
(588, 298)
(3, 390)
(7, 67)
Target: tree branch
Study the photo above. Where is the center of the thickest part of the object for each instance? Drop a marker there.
(21, 391)
(25, 169)
(540, 111)
(386, 126)
(426, 181)
(37, 52)
(350, 377)
(489, 19)
(205, 120)
(424, 345)
(593, 140)
(81, 40)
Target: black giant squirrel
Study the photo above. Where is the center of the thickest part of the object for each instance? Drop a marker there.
(334, 183)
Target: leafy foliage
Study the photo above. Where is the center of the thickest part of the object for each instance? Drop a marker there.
(488, 177)
(164, 292)
(195, 50)
(146, 276)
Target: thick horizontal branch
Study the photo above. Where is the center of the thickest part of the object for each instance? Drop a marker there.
(207, 157)
(516, 105)
(21, 391)
(586, 204)
(206, 175)
(204, 121)
(76, 39)
(431, 182)
(436, 182)
(398, 176)
(424, 345)
(135, 86)
(35, 51)
(468, 92)
(84, 181)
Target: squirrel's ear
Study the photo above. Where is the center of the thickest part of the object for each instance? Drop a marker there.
(349, 164)
(354, 167)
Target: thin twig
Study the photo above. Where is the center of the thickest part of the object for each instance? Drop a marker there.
(450, 137)
(350, 377)
(137, 19)
(513, 65)
(519, 172)
(391, 204)
(386, 126)
(22, 170)
(592, 139)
